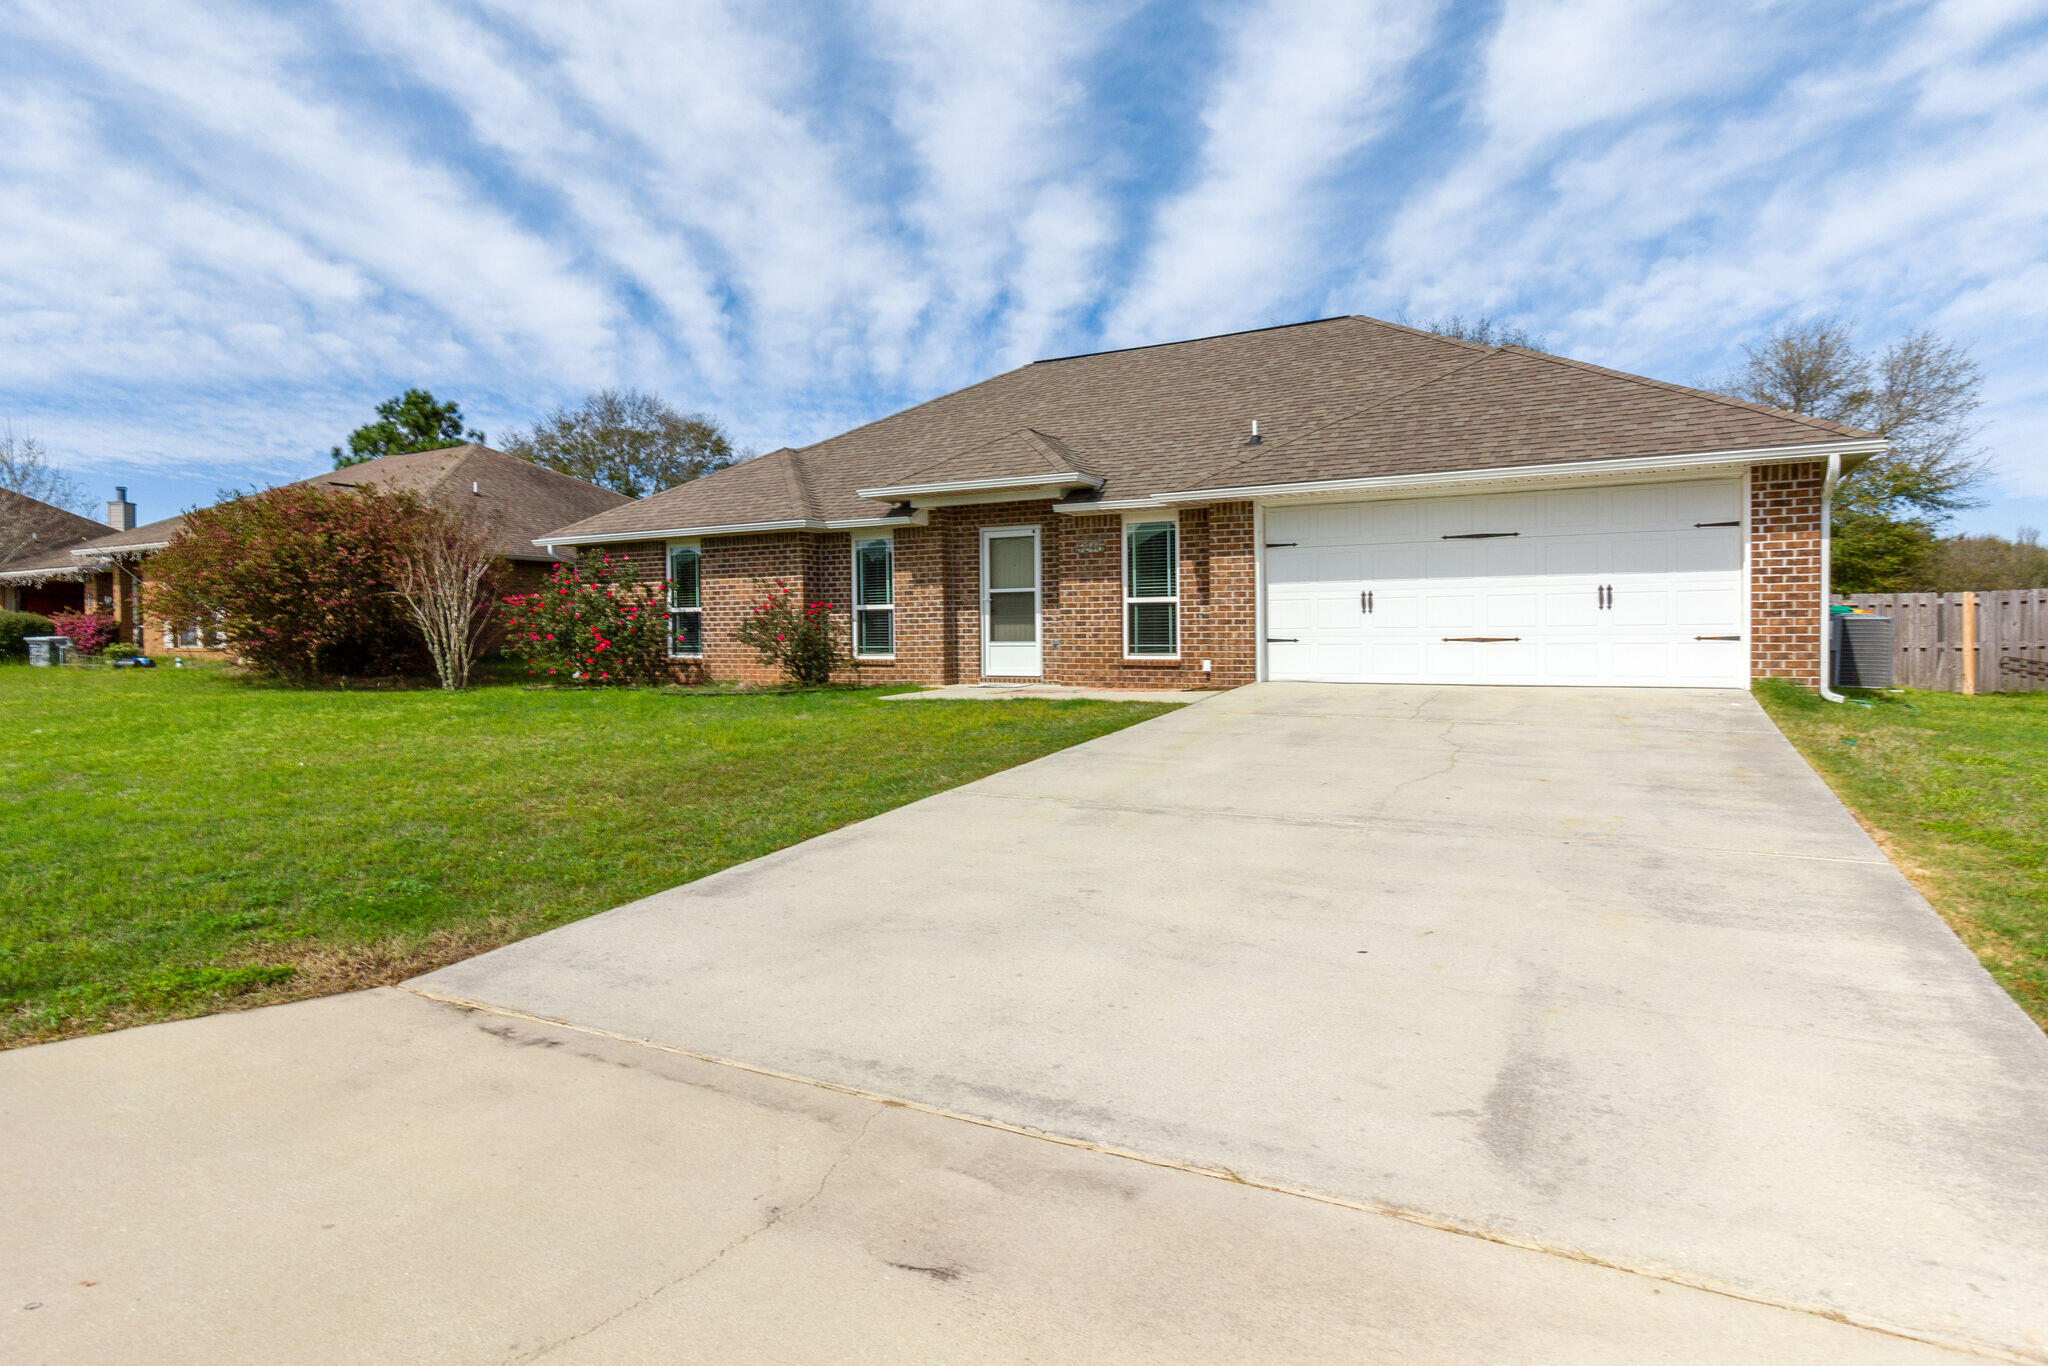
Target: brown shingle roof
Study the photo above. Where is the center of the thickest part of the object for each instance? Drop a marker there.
(1338, 398)
(39, 533)
(525, 499)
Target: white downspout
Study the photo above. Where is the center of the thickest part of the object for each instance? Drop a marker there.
(1827, 577)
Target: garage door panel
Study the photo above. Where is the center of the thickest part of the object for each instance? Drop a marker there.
(1707, 550)
(1392, 563)
(1715, 501)
(1576, 555)
(1571, 510)
(1597, 585)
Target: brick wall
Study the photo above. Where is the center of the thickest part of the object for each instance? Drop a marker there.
(938, 591)
(1785, 606)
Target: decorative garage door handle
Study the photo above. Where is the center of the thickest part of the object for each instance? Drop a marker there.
(1478, 535)
(1483, 640)
(1365, 601)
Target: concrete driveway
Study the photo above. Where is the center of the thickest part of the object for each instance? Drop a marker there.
(1609, 974)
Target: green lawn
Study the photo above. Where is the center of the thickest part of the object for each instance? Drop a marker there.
(179, 841)
(1956, 788)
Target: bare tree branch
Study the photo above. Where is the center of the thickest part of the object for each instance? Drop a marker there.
(26, 471)
(446, 581)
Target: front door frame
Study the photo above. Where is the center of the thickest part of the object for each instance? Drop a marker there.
(1017, 651)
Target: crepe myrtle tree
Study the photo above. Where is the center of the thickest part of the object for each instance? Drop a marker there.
(446, 575)
(301, 582)
(591, 623)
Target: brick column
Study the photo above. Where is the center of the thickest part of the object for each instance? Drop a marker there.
(1786, 613)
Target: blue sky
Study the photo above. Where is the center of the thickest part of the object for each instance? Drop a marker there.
(229, 230)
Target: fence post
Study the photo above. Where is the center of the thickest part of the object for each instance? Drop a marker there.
(1969, 644)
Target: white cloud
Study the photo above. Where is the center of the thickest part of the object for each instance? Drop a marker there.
(1306, 85)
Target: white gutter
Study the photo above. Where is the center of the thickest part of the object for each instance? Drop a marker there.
(1058, 479)
(1827, 577)
(1642, 464)
(732, 529)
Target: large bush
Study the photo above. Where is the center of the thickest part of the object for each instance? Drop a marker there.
(593, 622)
(88, 632)
(15, 626)
(302, 582)
(801, 639)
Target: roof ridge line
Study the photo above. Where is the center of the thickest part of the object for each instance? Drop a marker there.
(1729, 400)
(1213, 336)
(1488, 354)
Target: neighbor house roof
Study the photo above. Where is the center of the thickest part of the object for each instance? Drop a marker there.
(40, 536)
(1341, 398)
(524, 499)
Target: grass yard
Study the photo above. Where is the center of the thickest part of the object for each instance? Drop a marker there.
(1956, 788)
(174, 842)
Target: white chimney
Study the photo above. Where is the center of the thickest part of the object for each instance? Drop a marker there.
(121, 512)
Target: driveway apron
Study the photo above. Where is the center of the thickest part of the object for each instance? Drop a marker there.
(1606, 972)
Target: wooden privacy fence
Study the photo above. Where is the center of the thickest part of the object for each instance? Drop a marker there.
(1965, 642)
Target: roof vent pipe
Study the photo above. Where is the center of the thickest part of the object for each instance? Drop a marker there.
(1255, 433)
(474, 489)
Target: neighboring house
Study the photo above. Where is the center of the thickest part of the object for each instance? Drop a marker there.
(521, 499)
(1344, 500)
(37, 572)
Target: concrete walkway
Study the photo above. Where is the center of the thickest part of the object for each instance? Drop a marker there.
(381, 1179)
(1609, 973)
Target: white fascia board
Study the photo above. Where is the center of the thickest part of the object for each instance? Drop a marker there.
(115, 552)
(1062, 479)
(43, 575)
(730, 529)
(1577, 469)
(917, 517)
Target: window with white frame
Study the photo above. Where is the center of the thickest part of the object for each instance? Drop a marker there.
(685, 603)
(874, 597)
(1151, 589)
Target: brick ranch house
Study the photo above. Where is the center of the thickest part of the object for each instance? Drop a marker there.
(1343, 500)
(37, 573)
(521, 498)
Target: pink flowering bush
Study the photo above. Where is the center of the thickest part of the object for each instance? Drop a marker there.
(802, 639)
(592, 622)
(90, 632)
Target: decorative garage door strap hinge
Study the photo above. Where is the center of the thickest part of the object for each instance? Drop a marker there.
(1737, 522)
(1483, 640)
(1717, 637)
(1283, 640)
(1477, 535)
(1279, 545)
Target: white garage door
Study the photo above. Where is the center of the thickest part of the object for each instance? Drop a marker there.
(1638, 585)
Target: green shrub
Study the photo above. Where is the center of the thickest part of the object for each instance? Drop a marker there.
(121, 651)
(591, 622)
(799, 638)
(15, 626)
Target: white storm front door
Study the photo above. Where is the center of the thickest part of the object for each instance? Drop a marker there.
(1009, 603)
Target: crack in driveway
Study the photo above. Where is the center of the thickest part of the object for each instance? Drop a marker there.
(775, 1216)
